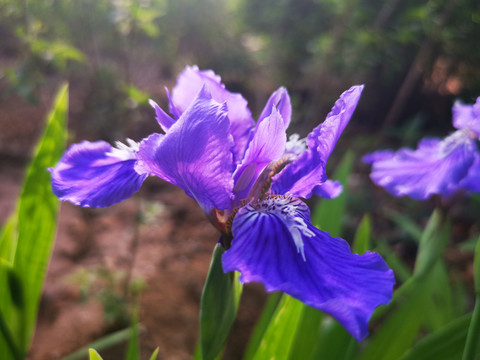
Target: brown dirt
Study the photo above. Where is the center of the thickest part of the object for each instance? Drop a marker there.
(172, 257)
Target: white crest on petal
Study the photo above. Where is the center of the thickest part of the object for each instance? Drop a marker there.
(124, 152)
(458, 138)
(295, 145)
(286, 208)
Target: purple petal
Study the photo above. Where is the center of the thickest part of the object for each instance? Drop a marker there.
(301, 176)
(467, 116)
(281, 100)
(267, 145)
(472, 181)
(90, 175)
(330, 189)
(378, 156)
(274, 243)
(189, 83)
(164, 120)
(436, 167)
(195, 154)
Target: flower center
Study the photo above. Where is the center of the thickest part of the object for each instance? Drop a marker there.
(288, 209)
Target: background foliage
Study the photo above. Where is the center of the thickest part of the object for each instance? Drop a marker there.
(415, 58)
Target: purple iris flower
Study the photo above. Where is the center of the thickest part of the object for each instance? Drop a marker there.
(438, 166)
(247, 178)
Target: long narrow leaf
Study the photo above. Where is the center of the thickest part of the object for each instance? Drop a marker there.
(444, 344)
(37, 214)
(262, 325)
(278, 339)
(218, 307)
(472, 343)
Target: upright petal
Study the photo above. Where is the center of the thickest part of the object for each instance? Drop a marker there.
(267, 145)
(189, 83)
(96, 175)
(436, 167)
(300, 177)
(467, 116)
(164, 120)
(281, 100)
(274, 243)
(195, 154)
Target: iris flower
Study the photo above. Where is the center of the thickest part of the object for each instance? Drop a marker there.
(438, 166)
(248, 179)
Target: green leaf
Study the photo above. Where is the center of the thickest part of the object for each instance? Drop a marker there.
(133, 351)
(361, 242)
(154, 354)
(279, 337)
(432, 243)
(399, 330)
(307, 334)
(8, 240)
(262, 325)
(107, 341)
(94, 355)
(328, 214)
(218, 306)
(406, 224)
(440, 311)
(334, 342)
(37, 214)
(472, 344)
(444, 344)
(136, 95)
(476, 267)
(402, 272)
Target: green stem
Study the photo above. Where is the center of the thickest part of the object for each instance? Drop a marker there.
(9, 340)
(473, 335)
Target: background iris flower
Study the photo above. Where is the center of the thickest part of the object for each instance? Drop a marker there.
(248, 179)
(437, 166)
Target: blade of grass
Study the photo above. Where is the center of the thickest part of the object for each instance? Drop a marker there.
(107, 341)
(154, 354)
(93, 355)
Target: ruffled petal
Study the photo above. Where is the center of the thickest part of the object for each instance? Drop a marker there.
(281, 100)
(467, 116)
(274, 243)
(189, 83)
(436, 167)
(471, 182)
(96, 175)
(300, 177)
(267, 145)
(195, 154)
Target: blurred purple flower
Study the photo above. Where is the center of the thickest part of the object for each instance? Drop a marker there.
(437, 166)
(247, 178)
